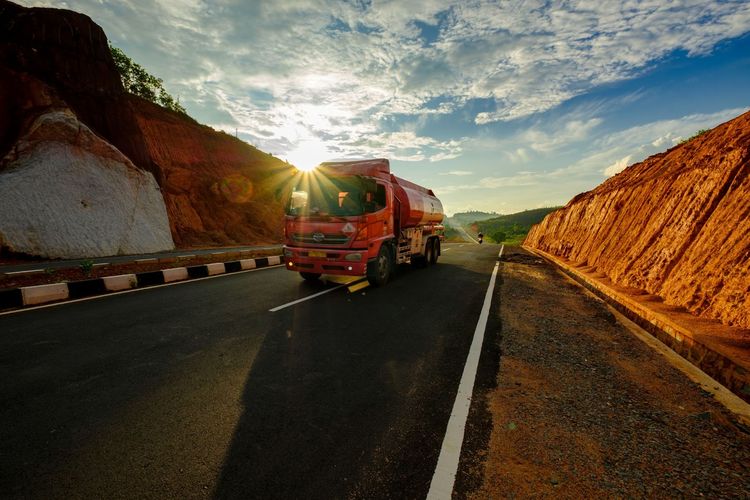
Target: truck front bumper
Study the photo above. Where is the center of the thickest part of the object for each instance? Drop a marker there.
(326, 261)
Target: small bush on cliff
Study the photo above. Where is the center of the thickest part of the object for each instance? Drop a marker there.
(697, 134)
(140, 82)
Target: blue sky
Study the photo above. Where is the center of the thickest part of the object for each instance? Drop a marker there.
(496, 105)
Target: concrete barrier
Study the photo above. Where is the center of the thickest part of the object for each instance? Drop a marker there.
(248, 264)
(175, 274)
(120, 282)
(216, 268)
(41, 294)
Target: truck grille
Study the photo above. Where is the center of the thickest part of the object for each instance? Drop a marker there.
(329, 239)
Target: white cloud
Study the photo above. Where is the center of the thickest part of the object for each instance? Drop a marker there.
(570, 132)
(518, 155)
(333, 70)
(637, 143)
(457, 172)
(617, 166)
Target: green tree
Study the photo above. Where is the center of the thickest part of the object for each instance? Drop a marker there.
(138, 81)
(499, 237)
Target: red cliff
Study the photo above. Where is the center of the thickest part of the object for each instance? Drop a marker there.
(218, 190)
(676, 225)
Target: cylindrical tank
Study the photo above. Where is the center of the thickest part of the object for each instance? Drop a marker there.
(419, 205)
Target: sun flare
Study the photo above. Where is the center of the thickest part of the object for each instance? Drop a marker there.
(306, 167)
(308, 154)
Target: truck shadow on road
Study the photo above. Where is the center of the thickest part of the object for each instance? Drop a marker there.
(349, 394)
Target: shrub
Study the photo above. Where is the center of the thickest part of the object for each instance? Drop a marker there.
(86, 266)
(499, 237)
(697, 134)
(140, 82)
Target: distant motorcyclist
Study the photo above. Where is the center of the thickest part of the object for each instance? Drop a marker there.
(480, 237)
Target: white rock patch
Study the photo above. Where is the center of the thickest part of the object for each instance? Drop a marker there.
(67, 193)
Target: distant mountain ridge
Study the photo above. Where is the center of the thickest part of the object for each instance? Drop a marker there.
(512, 228)
(472, 216)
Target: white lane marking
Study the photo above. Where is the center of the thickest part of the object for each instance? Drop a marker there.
(30, 271)
(445, 249)
(444, 477)
(141, 289)
(303, 299)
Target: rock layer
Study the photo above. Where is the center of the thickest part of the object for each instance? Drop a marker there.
(66, 193)
(676, 225)
(218, 190)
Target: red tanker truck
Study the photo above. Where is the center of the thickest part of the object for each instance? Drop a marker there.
(356, 218)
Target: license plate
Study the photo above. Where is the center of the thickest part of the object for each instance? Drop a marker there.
(317, 253)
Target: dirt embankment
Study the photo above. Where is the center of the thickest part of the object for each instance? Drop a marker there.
(218, 190)
(676, 225)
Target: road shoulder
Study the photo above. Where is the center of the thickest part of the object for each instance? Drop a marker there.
(585, 409)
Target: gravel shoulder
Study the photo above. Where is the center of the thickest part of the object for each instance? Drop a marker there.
(582, 408)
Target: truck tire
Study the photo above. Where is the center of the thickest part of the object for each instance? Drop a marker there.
(435, 251)
(379, 270)
(429, 252)
(310, 276)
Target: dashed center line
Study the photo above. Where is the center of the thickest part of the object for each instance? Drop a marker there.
(303, 299)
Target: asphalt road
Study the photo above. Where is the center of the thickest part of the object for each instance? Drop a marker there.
(198, 390)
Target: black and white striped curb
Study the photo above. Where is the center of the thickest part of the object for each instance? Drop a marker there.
(12, 298)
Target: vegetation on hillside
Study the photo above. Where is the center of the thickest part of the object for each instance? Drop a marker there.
(466, 218)
(512, 228)
(140, 82)
(697, 134)
(452, 234)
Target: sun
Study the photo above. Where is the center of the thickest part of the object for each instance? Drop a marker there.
(308, 155)
(306, 167)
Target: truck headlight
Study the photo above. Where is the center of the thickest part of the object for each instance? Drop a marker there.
(353, 257)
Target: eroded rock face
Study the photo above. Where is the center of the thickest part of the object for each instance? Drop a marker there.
(67, 193)
(68, 51)
(676, 225)
(218, 190)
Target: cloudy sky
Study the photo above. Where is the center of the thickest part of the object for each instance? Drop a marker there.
(496, 105)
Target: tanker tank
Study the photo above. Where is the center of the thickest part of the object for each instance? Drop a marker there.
(419, 205)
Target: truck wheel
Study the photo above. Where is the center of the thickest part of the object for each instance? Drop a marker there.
(379, 271)
(429, 252)
(310, 276)
(435, 251)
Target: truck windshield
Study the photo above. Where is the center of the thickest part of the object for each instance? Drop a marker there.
(321, 195)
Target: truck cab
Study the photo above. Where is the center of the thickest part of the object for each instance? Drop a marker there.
(346, 218)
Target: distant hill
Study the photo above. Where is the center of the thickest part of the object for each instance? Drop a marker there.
(512, 228)
(466, 218)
